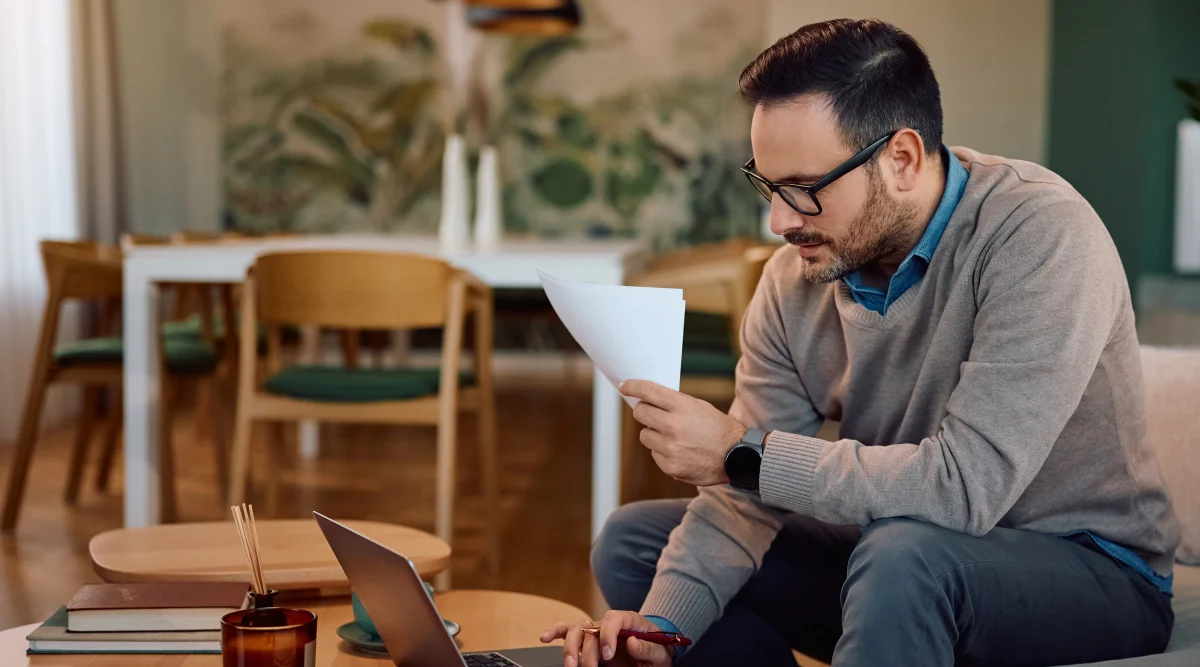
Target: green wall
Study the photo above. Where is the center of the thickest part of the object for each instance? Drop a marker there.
(1113, 114)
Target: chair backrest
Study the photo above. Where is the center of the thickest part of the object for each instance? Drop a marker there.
(130, 240)
(757, 258)
(185, 236)
(353, 290)
(81, 270)
(182, 300)
(1173, 431)
(718, 278)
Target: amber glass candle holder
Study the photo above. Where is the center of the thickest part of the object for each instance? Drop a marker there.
(268, 636)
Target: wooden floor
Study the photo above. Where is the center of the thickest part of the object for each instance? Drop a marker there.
(380, 473)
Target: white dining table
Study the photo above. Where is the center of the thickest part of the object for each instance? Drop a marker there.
(511, 264)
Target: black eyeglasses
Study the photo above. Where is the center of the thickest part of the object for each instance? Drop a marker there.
(803, 198)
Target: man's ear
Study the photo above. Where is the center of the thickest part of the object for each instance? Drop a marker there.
(903, 159)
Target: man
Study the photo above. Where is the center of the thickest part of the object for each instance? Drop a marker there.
(966, 318)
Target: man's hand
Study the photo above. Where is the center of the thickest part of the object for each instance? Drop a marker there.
(582, 649)
(688, 437)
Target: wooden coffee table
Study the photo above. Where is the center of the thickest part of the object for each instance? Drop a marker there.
(490, 620)
(294, 552)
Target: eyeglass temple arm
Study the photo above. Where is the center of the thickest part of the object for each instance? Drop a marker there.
(851, 164)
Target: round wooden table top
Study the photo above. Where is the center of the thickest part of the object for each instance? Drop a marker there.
(490, 620)
(294, 553)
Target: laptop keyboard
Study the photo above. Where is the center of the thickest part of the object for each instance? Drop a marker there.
(488, 660)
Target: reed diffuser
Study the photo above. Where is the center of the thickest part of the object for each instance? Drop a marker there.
(260, 596)
(264, 635)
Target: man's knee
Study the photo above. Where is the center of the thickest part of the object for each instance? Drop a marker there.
(902, 548)
(625, 554)
(612, 547)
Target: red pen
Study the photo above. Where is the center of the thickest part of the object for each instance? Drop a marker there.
(664, 638)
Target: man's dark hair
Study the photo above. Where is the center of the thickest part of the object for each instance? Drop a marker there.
(876, 76)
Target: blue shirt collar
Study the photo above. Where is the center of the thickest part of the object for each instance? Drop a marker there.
(913, 267)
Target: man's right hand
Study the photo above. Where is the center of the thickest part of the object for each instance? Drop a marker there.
(582, 649)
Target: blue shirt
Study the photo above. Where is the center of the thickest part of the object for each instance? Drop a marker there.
(910, 273)
(667, 626)
(913, 268)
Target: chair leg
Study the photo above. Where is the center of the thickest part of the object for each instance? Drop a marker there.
(83, 436)
(166, 453)
(633, 476)
(26, 441)
(205, 405)
(491, 478)
(485, 332)
(240, 459)
(220, 433)
(112, 434)
(401, 348)
(277, 451)
(446, 436)
(350, 347)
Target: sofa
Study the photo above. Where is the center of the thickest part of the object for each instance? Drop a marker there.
(1173, 430)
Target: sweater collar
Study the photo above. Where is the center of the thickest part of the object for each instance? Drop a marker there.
(912, 268)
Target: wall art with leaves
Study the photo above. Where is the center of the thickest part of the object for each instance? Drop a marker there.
(334, 119)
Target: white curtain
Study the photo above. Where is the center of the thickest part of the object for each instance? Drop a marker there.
(38, 193)
(98, 138)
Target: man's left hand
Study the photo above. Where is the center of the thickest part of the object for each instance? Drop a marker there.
(687, 436)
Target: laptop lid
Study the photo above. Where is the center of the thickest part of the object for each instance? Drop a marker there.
(390, 589)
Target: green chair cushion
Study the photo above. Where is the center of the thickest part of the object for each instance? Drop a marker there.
(360, 385)
(192, 326)
(708, 363)
(706, 331)
(184, 354)
(707, 350)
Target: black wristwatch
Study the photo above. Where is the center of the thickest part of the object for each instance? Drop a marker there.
(743, 462)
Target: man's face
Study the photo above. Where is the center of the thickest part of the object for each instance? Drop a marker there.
(860, 221)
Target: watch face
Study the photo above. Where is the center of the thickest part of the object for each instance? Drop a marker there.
(741, 465)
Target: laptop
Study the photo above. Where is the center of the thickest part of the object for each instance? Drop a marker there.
(390, 589)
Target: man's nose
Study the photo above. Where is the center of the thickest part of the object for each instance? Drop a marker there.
(784, 217)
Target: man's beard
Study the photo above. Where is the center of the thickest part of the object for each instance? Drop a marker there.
(880, 230)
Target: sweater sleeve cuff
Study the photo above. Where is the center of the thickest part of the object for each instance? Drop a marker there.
(667, 626)
(786, 477)
(690, 605)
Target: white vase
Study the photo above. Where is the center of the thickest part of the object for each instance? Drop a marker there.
(452, 230)
(1187, 197)
(489, 222)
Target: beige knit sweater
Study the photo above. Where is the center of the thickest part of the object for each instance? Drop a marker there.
(1005, 389)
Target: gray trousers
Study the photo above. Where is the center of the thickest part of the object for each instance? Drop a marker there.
(902, 592)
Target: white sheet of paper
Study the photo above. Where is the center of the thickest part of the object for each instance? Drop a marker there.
(630, 333)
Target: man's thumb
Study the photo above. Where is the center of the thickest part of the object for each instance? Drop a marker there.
(644, 651)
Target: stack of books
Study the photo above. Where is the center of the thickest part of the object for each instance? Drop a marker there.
(141, 618)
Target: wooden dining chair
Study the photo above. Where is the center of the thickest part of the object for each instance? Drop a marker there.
(718, 281)
(83, 271)
(364, 291)
(228, 296)
(194, 311)
(192, 308)
(207, 310)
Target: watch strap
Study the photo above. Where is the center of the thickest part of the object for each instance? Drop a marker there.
(754, 437)
(751, 441)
